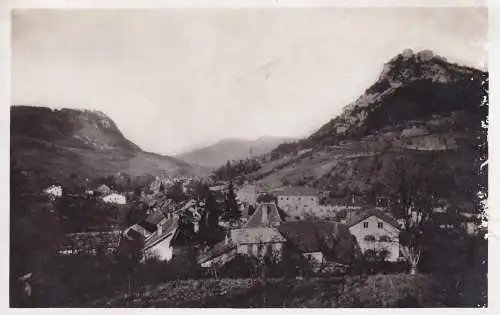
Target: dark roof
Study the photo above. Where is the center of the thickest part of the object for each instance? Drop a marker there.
(331, 238)
(372, 212)
(307, 235)
(217, 250)
(257, 218)
(168, 228)
(155, 218)
(91, 240)
(133, 234)
(297, 191)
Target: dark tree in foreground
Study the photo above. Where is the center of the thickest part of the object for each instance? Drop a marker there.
(209, 223)
(232, 211)
(128, 257)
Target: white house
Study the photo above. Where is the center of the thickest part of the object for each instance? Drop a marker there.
(376, 231)
(159, 244)
(257, 242)
(298, 200)
(258, 238)
(156, 232)
(248, 194)
(54, 191)
(103, 189)
(115, 198)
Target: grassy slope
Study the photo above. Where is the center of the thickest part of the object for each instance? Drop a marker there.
(372, 291)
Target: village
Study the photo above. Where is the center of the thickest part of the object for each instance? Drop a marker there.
(259, 224)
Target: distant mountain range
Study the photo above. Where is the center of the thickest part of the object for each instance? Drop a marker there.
(219, 153)
(53, 144)
(420, 104)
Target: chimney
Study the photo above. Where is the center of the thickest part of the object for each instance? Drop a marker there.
(264, 213)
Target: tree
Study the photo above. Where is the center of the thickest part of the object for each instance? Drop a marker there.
(229, 173)
(136, 210)
(416, 192)
(35, 232)
(232, 211)
(176, 192)
(209, 223)
(128, 257)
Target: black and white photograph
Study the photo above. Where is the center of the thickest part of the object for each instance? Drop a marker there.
(248, 157)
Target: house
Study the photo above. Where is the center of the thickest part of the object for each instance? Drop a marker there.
(382, 201)
(257, 242)
(320, 241)
(377, 232)
(158, 245)
(155, 233)
(266, 234)
(160, 230)
(54, 191)
(265, 215)
(248, 194)
(90, 243)
(103, 190)
(115, 198)
(259, 237)
(298, 200)
(254, 242)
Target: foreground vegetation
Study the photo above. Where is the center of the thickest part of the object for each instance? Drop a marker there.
(393, 290)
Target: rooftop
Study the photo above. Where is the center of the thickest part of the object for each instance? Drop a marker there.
(297, 191)
(332, 239)
(372, 212)
(256, 235)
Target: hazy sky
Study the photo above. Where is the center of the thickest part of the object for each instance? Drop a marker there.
(175, 79)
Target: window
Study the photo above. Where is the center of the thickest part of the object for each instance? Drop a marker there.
(385, 238)
(370, 238)
(249, 249)
(365, 225)
(380, 225)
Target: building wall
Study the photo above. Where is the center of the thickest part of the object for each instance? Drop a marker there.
(115, 198)
(248, 194)
(360, 231)
(298, 205)
(253, 249)
(163, 250)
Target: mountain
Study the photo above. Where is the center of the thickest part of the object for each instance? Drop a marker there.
(420, 106)
(231, 149)
(55, 144)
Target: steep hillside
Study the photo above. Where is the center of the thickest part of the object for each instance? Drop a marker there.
(53, 144)
(231, 149)
(421, 106)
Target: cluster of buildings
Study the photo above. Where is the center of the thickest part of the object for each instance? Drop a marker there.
(373, 229)
(269, 228)
(167, 181)
(102, 192)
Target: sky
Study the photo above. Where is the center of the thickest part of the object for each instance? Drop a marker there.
(176, 79)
